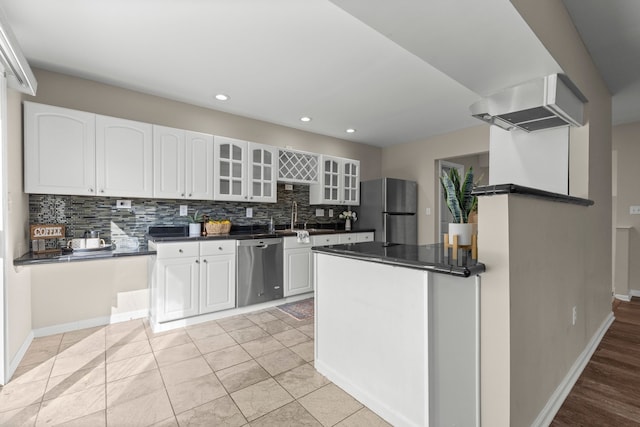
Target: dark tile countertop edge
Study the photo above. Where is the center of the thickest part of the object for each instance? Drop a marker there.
(353, 251)
(491, 190)
(57, 258)
(247, 236)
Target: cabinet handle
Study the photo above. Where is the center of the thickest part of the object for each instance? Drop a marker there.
(181, 194)
(219, 248)
(102, 191)
(189, 194)
(204, 260)
(91, 190)
(245, 197)
(180, 250)
(197, 261)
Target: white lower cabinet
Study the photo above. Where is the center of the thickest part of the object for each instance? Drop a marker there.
(178, 282)
(192, 278)
(326, 239)
(366, 236)
(348, 238)
(298, 267)
(355, 237)
(217, 276)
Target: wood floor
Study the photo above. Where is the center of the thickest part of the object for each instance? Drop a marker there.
(608, 391)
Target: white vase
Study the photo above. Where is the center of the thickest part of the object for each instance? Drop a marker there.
(195, 228)
(347, 224)
(463, 231)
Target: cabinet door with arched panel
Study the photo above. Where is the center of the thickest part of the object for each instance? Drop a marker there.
(262, 170)
(230, 171)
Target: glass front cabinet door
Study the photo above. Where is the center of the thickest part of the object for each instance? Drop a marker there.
(230, 169)
(262, 173)
(245, 171)
(339, 182)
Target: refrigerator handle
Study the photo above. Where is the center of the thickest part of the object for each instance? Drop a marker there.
(384, 227)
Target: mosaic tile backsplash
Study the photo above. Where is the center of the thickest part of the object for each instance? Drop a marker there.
(80, 213)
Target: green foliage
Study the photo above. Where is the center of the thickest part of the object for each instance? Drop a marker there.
(457, 194)
(196, 217)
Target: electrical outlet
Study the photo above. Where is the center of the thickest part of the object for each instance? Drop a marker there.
(330, 213)
(634, 210)
(249, 212)
(319, 212)
(574, 315)
(123, 204)
(427, 211)
(183, 210)
(288, 187)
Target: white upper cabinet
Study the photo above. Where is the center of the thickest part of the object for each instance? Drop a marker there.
(339, 182)
(350, 182)
(124, 157)
(230, 169)
(199, 165)
(78, 153)
(297, 166)
(59, 150)
(168, 162)
(183, 164)
(263, 166)
(244, 171)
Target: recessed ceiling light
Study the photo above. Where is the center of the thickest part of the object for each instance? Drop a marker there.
(305, 119)
(222, 97)
(351, 130)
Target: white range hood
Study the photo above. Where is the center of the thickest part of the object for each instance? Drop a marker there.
(539, 104)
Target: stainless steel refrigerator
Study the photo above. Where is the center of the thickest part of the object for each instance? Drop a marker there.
(389, 206)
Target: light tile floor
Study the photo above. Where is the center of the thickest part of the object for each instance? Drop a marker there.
(249, 370)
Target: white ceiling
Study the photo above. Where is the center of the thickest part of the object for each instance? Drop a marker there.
(611, 31)
(397, 72)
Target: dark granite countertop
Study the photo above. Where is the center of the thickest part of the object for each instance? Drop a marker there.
(432, 257)
(239, 234)
(244, 235)
(58, 257)
(491, 190)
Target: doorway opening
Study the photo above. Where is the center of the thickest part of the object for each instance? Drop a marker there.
(480, 164)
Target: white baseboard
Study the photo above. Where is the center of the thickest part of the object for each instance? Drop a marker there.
(90, 323)
(13, 365)
(634, 293)
(623, 297)
(545, 417)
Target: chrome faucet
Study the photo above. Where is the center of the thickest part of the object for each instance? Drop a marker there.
(294, 214)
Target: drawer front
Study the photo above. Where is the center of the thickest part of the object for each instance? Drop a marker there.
(326, 239)
(291, 242)
(218, 247)
(177, 250)
(365, 237)
(348, 238)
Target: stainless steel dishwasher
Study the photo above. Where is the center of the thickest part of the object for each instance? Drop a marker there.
(259, 275)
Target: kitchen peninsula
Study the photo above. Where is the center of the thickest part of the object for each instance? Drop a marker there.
(397, 327)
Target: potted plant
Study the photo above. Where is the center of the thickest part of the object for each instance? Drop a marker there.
(457, 194)
(195, 224)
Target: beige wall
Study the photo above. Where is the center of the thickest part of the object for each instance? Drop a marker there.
(18, 280)
(80, 291)
(558, 255)
(80, 94)
(626, 142)
(418, 162)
